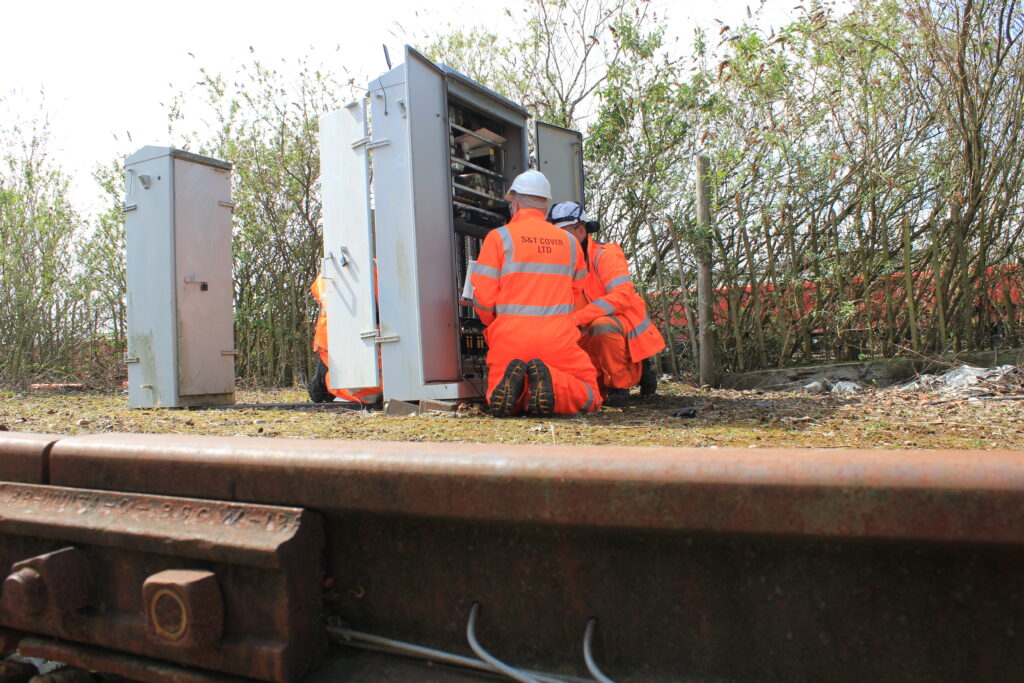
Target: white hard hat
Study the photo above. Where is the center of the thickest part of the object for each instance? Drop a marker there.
(531, 182)
(564, 214)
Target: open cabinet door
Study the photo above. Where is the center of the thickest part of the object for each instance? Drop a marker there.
(560, 159)
(430, 161)
(350, 296)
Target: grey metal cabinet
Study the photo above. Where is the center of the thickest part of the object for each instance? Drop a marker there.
(180, 316)
(560, 158)
(413, 177)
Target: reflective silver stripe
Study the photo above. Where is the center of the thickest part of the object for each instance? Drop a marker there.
(485, 309)
(636, 332)
(506, 240)
(604, 328)
(572, 259)
(579, 275)
(486, 271)
(590, 400)
(544, 268)
(604, 305)
(536, 311)
(621, 280)
(615, 325)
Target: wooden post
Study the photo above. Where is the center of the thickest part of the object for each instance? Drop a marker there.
(705, 313)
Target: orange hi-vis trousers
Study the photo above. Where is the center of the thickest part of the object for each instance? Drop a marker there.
(572, 394)
(604, 340)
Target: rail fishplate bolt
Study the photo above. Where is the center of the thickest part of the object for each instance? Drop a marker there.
(25, 592)
(184, 607)
(56, 582)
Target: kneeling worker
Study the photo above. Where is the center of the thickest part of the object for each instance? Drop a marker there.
(318, 387)
(617, 334)
(525, 282)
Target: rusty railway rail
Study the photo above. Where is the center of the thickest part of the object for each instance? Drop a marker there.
(204, 558)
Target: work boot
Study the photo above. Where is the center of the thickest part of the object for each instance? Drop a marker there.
(617, 398)
(648, 380)
(317, 386)
(506, 395)
(542, 389)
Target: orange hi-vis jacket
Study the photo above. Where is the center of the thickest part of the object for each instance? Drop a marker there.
(366, 395)
(526, 280)
(608, 292)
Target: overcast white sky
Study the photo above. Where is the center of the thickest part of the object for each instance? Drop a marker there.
(105, 67)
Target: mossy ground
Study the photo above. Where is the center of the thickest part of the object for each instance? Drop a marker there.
(877, 419)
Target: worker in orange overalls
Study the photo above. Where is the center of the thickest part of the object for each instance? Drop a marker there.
(319, 385)
(525, 280)
(617, 334)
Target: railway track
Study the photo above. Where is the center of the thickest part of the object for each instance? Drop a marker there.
(163, 558)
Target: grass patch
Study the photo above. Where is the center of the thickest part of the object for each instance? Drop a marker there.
(746, 419)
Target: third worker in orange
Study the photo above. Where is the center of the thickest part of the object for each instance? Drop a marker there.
(616, 332)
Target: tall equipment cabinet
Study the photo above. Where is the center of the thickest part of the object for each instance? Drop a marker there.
(413, 178)
(180, 318)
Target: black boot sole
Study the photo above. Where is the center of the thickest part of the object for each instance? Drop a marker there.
(542, 389)
(506, 395)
